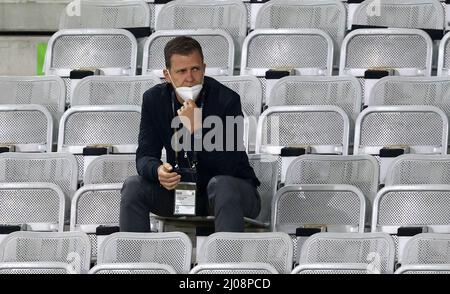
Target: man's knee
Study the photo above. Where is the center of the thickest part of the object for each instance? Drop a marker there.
(222, 185)
(132, 189)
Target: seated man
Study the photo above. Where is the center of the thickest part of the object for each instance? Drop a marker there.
(225, 182)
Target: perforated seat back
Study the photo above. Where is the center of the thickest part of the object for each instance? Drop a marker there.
(63, 247)
(172, 249)
(271, 248)
(423, 14)
(362, 248)
(107, 90)
(360, 171)
(108, 14)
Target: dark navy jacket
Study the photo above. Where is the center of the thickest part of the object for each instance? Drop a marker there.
(156, 133)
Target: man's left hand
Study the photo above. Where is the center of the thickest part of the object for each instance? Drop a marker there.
(190, 115)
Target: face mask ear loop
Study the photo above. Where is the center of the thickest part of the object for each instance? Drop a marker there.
(173, 84)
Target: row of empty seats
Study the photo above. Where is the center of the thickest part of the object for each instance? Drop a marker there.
(319, 129)
(344, 92)
(333, 15)
(301, 36)
(110, 92)
(253, 13)
(310, 25)
(222, 253)
(267, 55)
(307, 51)
(332, 193)
(40, 191)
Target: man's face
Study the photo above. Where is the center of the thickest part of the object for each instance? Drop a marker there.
(186, 70)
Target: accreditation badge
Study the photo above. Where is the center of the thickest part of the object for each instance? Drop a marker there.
(185, 194)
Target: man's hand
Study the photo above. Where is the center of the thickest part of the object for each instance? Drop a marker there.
(167, 178)
(190, 115)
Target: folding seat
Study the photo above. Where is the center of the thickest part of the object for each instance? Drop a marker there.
(341, 253)
(412, 91)
(108, 14)
(25, 128)
(327, 15)
(227, 15)
(132, 15)
(443, 59)
(344, 92)
(433, 91)
(35, 252)
(31, 207)
(404, 211)
(238, 253)
(95, 211)
(250, 90)
(89, 131)
(418, 169)
(76, 53)
(423, 14)
(324, 128)
(48, 91)
(217, 47)
(360, 171)
(34, 90)
(426, 253)
(60, 169)
(302, 210)
(110, 169)
(291, 131)
(389, 131)
(144, 253)
(109, 90)
(270, 54)
(370, 54)
(428, 15)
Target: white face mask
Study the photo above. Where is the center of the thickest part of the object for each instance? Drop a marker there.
(187, 93)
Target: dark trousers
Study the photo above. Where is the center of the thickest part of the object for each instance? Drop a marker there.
(230, 199)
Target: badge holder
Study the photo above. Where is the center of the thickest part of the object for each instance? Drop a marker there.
(185, 192)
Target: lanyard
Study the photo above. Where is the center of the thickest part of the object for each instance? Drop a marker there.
(194, 153)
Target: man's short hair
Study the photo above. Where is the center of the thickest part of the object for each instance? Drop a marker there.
(183, 46)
